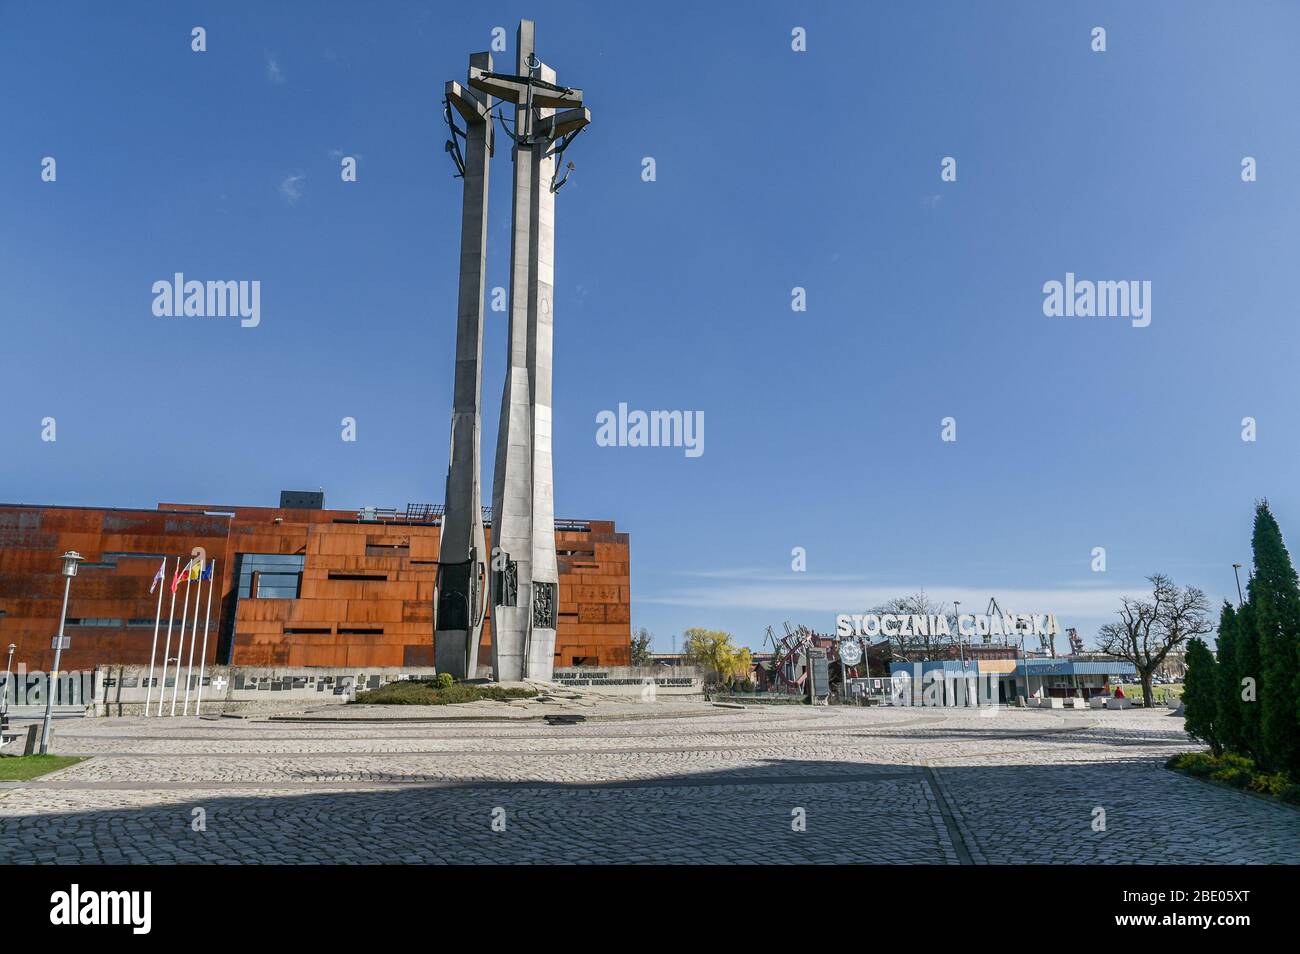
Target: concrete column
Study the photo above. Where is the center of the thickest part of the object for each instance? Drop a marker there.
(460, 598)
(545, 589)
(525, 578)
(512, 490)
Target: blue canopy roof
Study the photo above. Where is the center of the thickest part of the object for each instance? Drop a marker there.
(1037, 667)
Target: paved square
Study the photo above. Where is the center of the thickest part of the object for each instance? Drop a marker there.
(874, 785)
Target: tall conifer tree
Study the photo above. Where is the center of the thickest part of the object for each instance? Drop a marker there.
(1228, 690)
(1246, 651)
(1201, 695)
(1275, 591)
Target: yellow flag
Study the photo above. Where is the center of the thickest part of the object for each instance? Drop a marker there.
(196, 568)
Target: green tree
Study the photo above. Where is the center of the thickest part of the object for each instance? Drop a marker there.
(1228, 707)
(1275, 591)
(1246, 650)
(642, 646)
(1200, 695)
(715, 653)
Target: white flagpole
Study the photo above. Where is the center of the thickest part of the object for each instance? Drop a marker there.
(180, 647)
(153, 653)
(171, 615)
(194, 638)
(203, 656)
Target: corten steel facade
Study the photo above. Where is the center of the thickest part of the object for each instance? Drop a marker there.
(296, 587)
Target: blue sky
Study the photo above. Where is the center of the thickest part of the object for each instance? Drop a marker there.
(775, 169)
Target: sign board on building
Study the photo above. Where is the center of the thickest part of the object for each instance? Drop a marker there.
(1061, 668)
(819, 675)
(65, 640)
(850, 652)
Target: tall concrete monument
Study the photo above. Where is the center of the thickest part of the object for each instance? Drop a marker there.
(460, 595)
(524, 575)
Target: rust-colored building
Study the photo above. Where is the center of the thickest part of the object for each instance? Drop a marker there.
(297, 585)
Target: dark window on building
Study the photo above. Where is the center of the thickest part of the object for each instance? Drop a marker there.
(108, 559)
(360, 632)
(372, 577)
(388, 549)
(270, 576)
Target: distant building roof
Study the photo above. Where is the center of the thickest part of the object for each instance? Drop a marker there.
(1049, 666)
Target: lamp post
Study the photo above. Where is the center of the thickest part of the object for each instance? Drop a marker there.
(1236, 572)
(70, 561)
(1024, 661)
(4, 699)
(956, 613)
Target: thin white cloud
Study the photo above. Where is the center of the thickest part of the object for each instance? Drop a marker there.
(291, 188)
(273, 71)
(759, 574)
(832, 595)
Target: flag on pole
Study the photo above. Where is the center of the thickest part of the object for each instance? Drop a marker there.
(203, 653)
(196, 571)
(159, 576)
(207, 571)
(181, 574)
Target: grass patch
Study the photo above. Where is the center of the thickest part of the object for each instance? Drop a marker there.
(1238, 772)
(1159, 694)
(20, 768)
(412, 692)
(771, 699)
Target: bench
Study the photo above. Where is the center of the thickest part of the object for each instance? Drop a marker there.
(22, 742)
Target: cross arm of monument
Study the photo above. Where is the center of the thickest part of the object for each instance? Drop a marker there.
(472, 108)
(563, 124)
(514, 89)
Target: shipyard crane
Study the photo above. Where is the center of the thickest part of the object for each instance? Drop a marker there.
(1046, 641)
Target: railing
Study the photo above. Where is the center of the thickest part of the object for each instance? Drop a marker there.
(434, 514)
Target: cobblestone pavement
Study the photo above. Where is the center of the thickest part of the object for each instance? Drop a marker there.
(778, 784)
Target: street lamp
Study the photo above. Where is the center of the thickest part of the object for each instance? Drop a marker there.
(70, 561)
(4, 699)
(1236, 568)
(956, 613)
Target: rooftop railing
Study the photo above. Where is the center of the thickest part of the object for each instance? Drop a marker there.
(434, 513)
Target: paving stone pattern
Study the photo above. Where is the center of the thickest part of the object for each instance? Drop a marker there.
(879, 786)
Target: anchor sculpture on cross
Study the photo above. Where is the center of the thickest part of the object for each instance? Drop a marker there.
(556, 130)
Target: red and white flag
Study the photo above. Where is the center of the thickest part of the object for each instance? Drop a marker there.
(182, 573)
